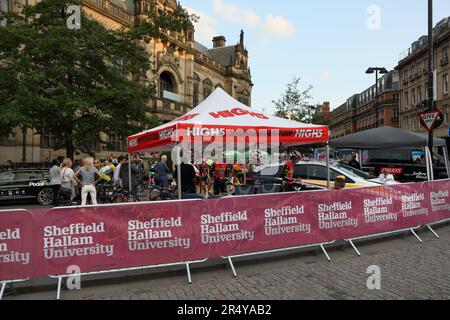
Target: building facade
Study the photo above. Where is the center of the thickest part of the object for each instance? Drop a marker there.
(360, 111)
(413, 72)
(184, 71)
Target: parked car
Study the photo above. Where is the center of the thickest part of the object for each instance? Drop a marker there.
(26, 184)
(314, 173)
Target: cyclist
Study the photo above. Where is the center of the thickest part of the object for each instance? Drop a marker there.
(288, 171)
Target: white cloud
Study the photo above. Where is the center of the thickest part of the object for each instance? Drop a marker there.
(205, 27)
(277, 26)
(233, 12)
(270, 27)
(324, 76)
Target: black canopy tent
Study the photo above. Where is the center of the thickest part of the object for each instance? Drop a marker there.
(391, 138)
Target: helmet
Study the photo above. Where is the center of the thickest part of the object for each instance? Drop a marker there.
(295, 155)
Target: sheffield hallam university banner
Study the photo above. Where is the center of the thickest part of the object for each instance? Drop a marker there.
(47, 242)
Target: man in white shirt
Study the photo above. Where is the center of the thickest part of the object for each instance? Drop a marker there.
(385, 176)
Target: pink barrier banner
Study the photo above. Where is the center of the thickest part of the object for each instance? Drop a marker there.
(120, 237)
(57, 241)
(17, 247)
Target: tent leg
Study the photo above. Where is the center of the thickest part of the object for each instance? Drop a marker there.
(427, 161)
(430, 165)
(129, 174)
(360, 159)
(328, 165)
(179, 175)
(447, 164)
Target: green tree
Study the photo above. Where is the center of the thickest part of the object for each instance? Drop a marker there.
(78, 83)
(294, 103)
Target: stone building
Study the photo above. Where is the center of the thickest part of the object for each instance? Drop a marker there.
(359, 113)
(413, 71)
(184, 71)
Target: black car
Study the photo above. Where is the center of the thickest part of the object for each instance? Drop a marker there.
(26, 184)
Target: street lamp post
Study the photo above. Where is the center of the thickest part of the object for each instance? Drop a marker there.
(377, 71)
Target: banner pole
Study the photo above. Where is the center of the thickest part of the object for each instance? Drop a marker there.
(415, 234)
(188, 269)
(2, 290)
(58, 292)
(354, 248)
(232, 267)
(325, 252)
(434, 232)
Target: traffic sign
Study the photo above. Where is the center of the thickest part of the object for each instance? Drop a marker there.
(431, 119)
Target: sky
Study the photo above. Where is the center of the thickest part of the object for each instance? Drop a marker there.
(329, 44)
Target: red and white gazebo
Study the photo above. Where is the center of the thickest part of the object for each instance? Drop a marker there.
(222, 116)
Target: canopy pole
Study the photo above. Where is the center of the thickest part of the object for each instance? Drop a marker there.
(360, 159)
(180, 197)
(447, 164)
(328, 165)
(429, 164)
(129, 173)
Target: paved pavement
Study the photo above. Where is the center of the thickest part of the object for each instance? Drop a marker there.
(409, 270)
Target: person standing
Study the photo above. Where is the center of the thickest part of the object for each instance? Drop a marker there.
(162, 172)
(116, 178)
(188, 178)
(67, 190)
(288, 171)
(55, 180)
(88, 173)
(125, 178)
(220, 175)
(354, 163)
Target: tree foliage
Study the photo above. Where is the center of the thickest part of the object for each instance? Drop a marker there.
(77, 84)
(294, 103)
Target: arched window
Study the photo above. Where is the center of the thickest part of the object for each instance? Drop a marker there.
(166, 83)
(219, 85)
(207, 88)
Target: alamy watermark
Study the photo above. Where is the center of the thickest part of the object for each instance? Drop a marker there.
(374, 280)
(74, 282)
(74, 20)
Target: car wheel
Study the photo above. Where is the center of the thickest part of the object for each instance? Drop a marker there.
(45, 197)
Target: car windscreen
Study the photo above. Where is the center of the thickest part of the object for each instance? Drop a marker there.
(7, 176)
(347, 170)
(270, 171)
(406, 156)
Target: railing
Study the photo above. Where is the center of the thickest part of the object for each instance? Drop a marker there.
(111, 8)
